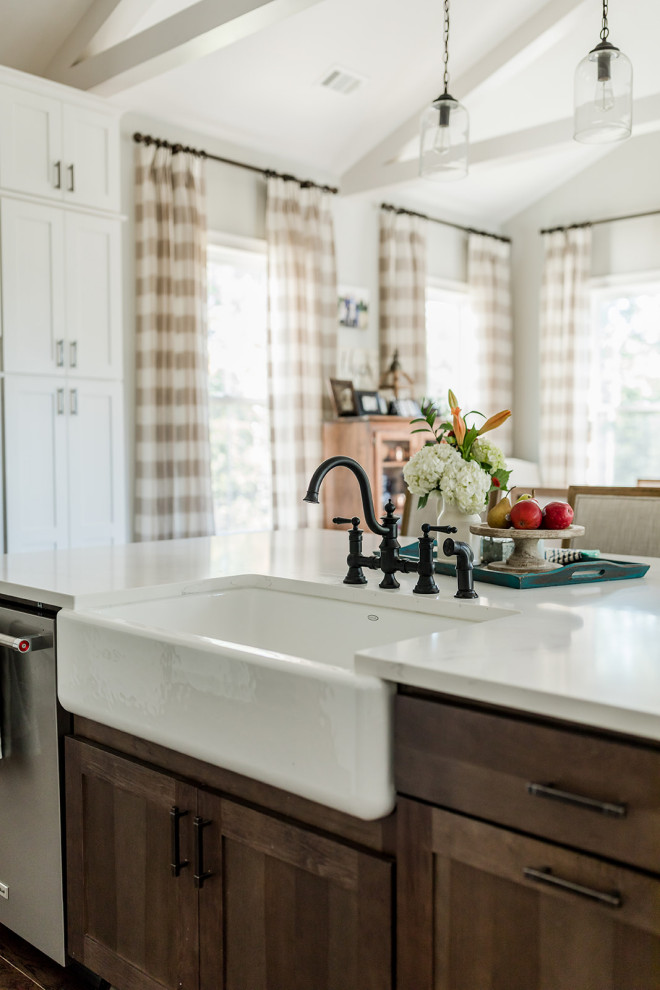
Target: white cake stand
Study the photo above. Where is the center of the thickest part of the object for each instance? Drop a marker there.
(525, 558)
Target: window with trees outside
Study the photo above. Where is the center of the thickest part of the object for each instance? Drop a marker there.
(624, 384)
(238, 387)
(450, 344)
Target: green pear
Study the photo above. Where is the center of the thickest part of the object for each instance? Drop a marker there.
(497, 516)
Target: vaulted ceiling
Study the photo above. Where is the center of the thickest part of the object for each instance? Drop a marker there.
(250, 71)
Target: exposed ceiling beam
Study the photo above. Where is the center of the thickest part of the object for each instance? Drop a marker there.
(380, 167)
(91, 23)
(190, 34)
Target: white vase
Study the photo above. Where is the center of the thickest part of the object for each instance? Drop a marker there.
(451, 515)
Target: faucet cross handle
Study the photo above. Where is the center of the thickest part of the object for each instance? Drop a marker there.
(427, 528)
(340, 521)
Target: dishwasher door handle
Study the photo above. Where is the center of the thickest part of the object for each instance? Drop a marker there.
(26, 644)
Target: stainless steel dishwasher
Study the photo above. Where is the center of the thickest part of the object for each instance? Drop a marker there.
(31, 726)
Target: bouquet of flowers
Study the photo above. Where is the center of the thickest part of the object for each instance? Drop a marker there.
(459, 463)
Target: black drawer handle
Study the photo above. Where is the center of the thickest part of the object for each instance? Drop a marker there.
(578, 800)
(177, 864)
(200, 874)
(545, 875)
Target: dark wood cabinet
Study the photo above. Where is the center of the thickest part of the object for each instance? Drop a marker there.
(290, 909)
(382, 445)
(259, 902)
(484, 906)
(129, 918)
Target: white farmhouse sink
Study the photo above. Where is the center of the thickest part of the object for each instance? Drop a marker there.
(255, 674)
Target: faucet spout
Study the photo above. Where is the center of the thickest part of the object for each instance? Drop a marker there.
(363, 481)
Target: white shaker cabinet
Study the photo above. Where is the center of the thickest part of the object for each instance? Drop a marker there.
(92, 254)
(64, 462)
(58, 150)
(30, 142)
(61, 302)
(33, 313)
(95, 463)
(90, 169)
(35, 463)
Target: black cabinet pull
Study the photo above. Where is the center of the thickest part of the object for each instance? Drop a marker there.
(177, 864)
(57, 184)
(200, 874)
(545, 875)
(578, 800)
(71, 182)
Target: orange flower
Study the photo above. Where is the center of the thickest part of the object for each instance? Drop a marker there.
(495, 421)
(459, 422)
(459, 427)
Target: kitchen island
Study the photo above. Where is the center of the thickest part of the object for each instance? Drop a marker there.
(524, 849)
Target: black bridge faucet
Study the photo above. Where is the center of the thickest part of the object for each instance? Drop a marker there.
(389, 561)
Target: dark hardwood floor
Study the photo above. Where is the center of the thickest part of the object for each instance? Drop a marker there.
(22, 967)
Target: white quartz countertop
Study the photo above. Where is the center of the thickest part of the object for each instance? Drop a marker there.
(589, 654)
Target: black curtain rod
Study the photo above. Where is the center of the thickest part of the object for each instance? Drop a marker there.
(594, 223)
(447, 223)
(267, 172)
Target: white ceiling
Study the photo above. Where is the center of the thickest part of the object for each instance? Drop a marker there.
(512, 64)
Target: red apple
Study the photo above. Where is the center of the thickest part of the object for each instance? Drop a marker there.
(557, 515)
(526, 513)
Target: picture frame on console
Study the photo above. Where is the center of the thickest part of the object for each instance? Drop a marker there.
(343, 397)
(370, 404)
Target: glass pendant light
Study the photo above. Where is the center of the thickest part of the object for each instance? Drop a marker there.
(603, 93)
(444, 131)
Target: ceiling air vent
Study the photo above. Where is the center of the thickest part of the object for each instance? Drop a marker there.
(341, 80)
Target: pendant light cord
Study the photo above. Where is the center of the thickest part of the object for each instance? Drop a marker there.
(604, 31)
(445, 57)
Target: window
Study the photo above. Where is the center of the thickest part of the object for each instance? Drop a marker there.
(450, 344)
(624, 384)
(238, 388)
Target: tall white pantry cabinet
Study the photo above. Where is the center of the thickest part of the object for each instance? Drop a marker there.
(61, 308)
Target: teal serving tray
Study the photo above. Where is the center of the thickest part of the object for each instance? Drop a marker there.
(580, 572)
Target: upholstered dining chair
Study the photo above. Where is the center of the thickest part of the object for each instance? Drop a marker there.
(617, 520)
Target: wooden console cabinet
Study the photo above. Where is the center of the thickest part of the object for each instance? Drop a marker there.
(382, 445)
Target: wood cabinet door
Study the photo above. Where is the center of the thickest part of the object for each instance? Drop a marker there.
(286, 908)
(31, 145)
(130, 919)
(90, 175)
(33, 310)
(96, 463)
(93, 296)
(482, 907)
(35, 462)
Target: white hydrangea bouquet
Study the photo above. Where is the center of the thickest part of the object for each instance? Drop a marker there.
(459, 463)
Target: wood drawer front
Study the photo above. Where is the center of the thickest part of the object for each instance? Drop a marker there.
(507, 912)
(483, 764)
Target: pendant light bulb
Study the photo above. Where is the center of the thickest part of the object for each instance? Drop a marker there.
(444, 130)
(603, 93)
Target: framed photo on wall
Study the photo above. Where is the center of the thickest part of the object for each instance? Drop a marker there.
(353, 307)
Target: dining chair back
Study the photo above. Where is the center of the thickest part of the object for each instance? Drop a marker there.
(617, 520)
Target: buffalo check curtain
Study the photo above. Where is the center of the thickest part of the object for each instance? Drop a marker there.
(564, 355)
(302, 340)
(489, 281)
(402, 295)
(173, 496)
